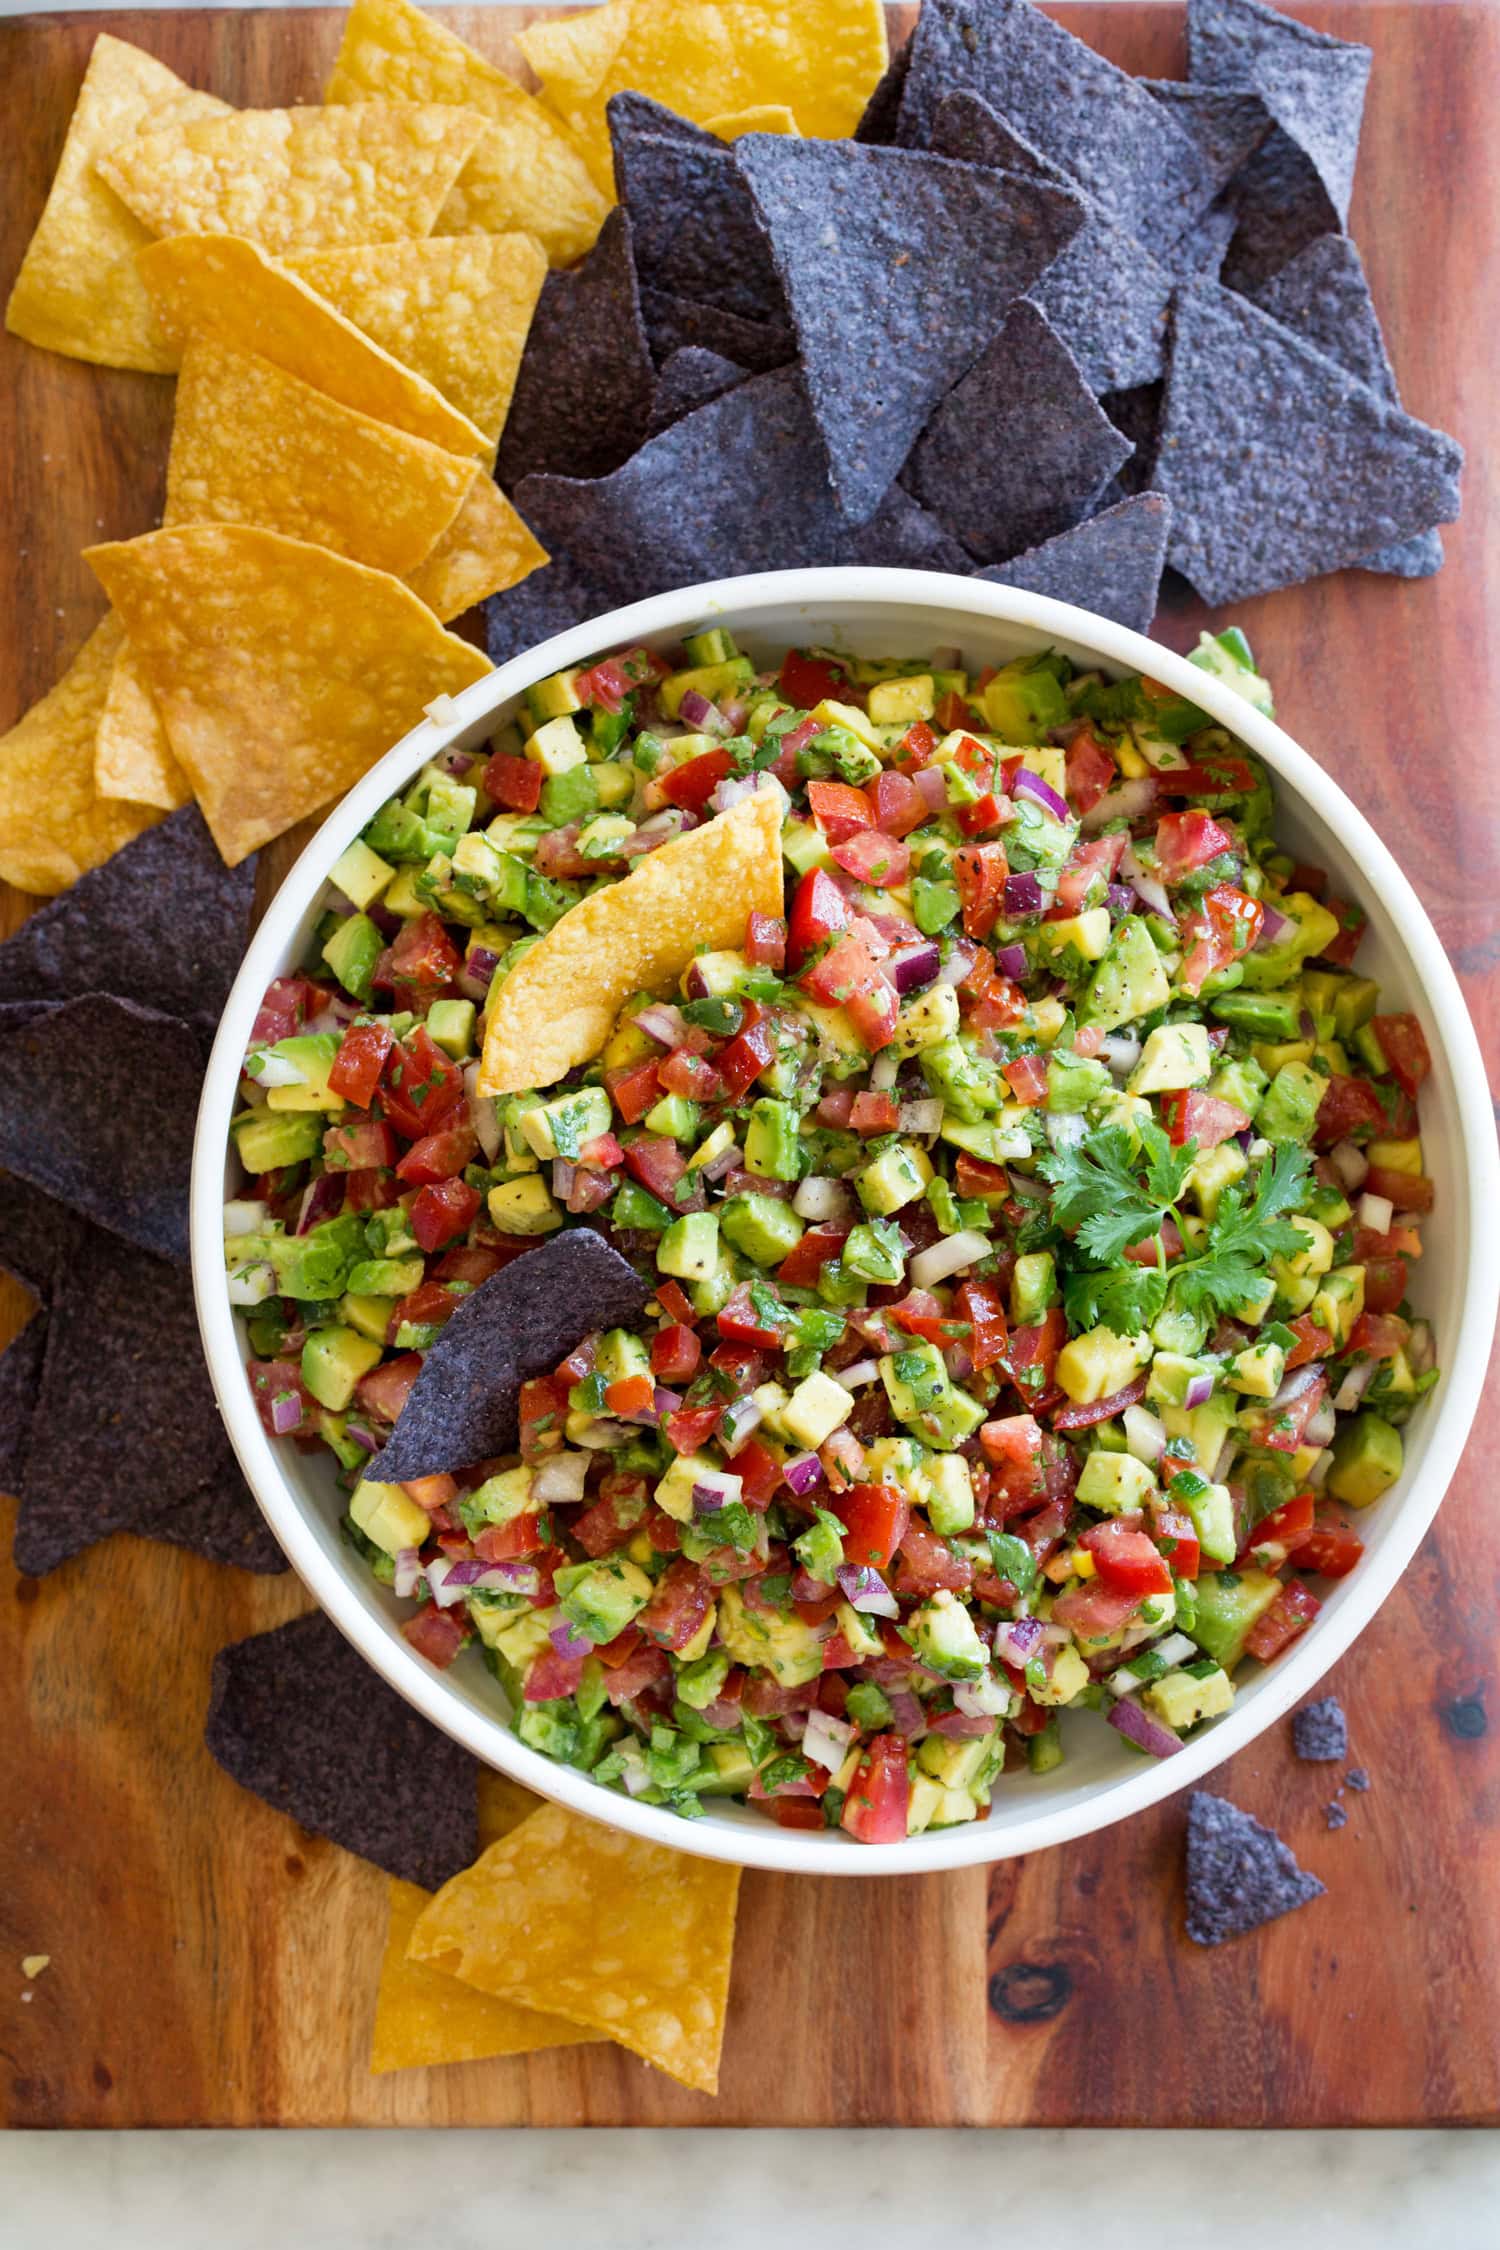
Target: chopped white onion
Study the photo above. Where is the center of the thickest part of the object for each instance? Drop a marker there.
(1419, 1348)
(933, 1265)
(1120, 1052)
(408, 1573)
(484, 1115)
(826, 1742)
(883, 1071)
(559, 1478)
(439, 1572)
(1069, 1130)
(244, 1216)
(1375, 1212)
(1321, 1426)
(252, 1285)
(857, 1377)
(819, 1199)
(924, 1117)
(1145, 1436)
(1351, 1164)
(984, 1698)
(1353, 1387)
(1176, 1648)
(273, 1070)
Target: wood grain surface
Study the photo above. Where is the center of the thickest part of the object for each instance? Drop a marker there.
(212, 1964)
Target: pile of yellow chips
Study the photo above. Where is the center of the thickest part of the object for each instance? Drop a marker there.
(562, 1933)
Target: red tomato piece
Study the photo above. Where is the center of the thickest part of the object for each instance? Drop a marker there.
(423, 959)
(275, 1383)
(511, 1542)
(920, 1314)
(926, 1564)
(806, 680)
(819, 912)
(1404, 1045)
(426, 1306)
(979, 1303)
(543, 1410)
(1178, 1541)
(875, 1113)
(441, 1155)
(876, 1519)
(1034, 1349)
(368, 1145)
(740, 1323)
(1386, 1283)
(384, 1391)
(976, 1176)
(765, 940)
(683, 1072)
(870, 857)
(1091, 770)
(979, 871)
(1348, 1106)
(635, 1089)
(840, 973)
(1291, 1613)
(631, 1395)
(1406, 1191)
(1351, 921)
(802, 1265)
(606, 686)
(437, 1634)
(1095, 1610)
(675, 1301)
(675, 1353)
(442, 1211)
(1282, 1429)
(1027, 1078)
(1330, 1548)
(691, 785)
(657, 1163)
(551, 1676)
(742, 1061)
(355, 1075)
(840, 809)
(285, 1006)
(1312, 1341)
(1186, 841)
(371, 1191)
(1127, 1560)
(646, 1668)
(689, 1427)
(678, 1607)
(1201, 1118)
(1278, 1533)
(897, 802)
(420, 1085)
(874, 1014)
(876, 1807)
(759, 1472)
(515, 783)
(952, 711)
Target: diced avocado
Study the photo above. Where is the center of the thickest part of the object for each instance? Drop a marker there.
(312, 1055)
(267, 1141)
(805, 847)
(449, 807)
(711, 644)
(627, 1043)
(387, 1517)
(1114, 1483)
(943, 1635)
(1227, 657)
(712, 681)
(959, 1764)
(450, 1025)
(1214, 1171)
(948, 1492)
(563, 1127)
(600, 838)
(1205, 1427)
(1316, 1258)
(788, 1649)
(1241, 1081)
(1260, 1015)
(762, 1226)
(555, 696)
(385, 1277)
(1367, 1459)
(1074, 1082)
(1173, 1375)
(816, 1408)
(1033, 1286)
(352, 951)
(1183, 1698)
(600, 1598)
(1354, 1003)
(1228, 1604)
(1086, 934)
(893, 1179)
(690, 1247)
(921, 1395)
(772, 1145)
(926, 1021)
(1211, 1507)
(333, 1360)
(1176, 1055)
(557, 745)
(1290, 1107)
(933, 904)
(727, 1771)
(396, 833)
(674, 1491)
(403, 897)
(1259, 1368)
(876, 1252)
(674, 1117)
(820, 1549)
(482, 868)
(1130, 980)
(864, 1639)
(370, 1315)
(697, 1683)
(1024, 701)
(1398, 1156)
(712, 1291)
(1339, 1303)
(524, 1206)
(621, 1354)
(1098, 1363)
(1068, 1677)
(571, 795)
(1310, 930)
(499, 1500)
(361, 874)
(1275, 1055)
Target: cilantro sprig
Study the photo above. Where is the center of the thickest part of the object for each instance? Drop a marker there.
(1116, 1188)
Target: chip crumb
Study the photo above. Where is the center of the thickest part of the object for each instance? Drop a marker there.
(1357, 1778)
(1320, 1731)
(32, 1964)
(1334, 1815)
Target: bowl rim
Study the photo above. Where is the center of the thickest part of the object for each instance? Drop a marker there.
(763, 1844)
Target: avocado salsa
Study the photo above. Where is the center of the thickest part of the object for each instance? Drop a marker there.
(1028, 1218)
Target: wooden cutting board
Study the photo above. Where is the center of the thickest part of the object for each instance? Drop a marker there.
(211, 1964)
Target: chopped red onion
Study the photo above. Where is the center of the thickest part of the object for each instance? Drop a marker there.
(1139, 1727)
(932, 786)
(1351, 1164)
(665, 1401)
(286, 1412)
(925, 1118)
(1271, 927)
(703, 717)
(738, 1182)
(477, 972)
(408, 1573)
(1199, 1391)
(826, 1740)
(509, 1578)
(803, 1473)
(559, 1479)
(950, 1256)
(568, 1642)
(859, 1376)
(865, 1590)
(662, 1021)
(961, 958)
(908, 1719)
(441, 1585)
(714, 1489)
(988, 1698)
(604, 1436)
(1018, 1640)
(466, 1571)
(455, 762)
(913, 966)
(660, 829)
(1119, 898)
(739, 1418)
(1300, 1379)
(1023, 895)
(718, 1167)
(563, 1176)
(1029, 784)
(1010, 960)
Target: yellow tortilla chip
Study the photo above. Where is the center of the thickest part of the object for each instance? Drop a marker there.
(485, 549)
(281, 672)
(557, 1006)
(524, 171)
(761, 117)
(503, 1805)
(252, 444)
(706, 58)
(457, 309)
(620, 1936)
(78, 290)
(219, 285)
(132, 756)
(297, 179)
(53, 825)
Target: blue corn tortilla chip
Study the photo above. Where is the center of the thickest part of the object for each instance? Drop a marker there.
(547, 601)
(690, 378)
(898, 268)
(1105, 294)
(1112, 563)
(878, 123)
(20, 1376)
(1020, 449)
(1323, 295)
(299, 1718)
(676, 324)
(1226, 127)
(1280, 206)
(163, 922)
(583, 390)
(98, 1100)
(693, 227)
(1199, 254)
(1320, 1731)
(901, 535)
(1312, 84)
(32, 1231)
(1279, 464)
(1100, 125)
(1239, 1874)
(125, 1426)
(519, 1323)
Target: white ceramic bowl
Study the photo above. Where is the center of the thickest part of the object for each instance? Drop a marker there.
(892, 612)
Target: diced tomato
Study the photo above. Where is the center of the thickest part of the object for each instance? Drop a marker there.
(802, 1265)
(515, 783)
(511, 1542)
(1090, 770)
(630, 1396)
(870, 857)
(819, 912)
(999, 1005)
(795, 1812)
(371, 1191)
(432, 1493)
(384, 1391)
(611, 1520)
(1033, 1350)
(985, 813)
(1201, 1118)
(635, 1089)
(1094, 1610)
(974, 1175)
(550, 1676)
(678, 1607)
(926, 1564)
(1275, 1536)
(1351, 921)
(1330, 1548)
(693, 783)
(367, 1145)
(765, 940)
(897, 802)
(1127, 1560)
(1186, 841)
(355, 1075)
(606, 686)
(443, 1211)
(1313, 1341)
(1177, 1538)
(437, 1634)
(1407, 1191)
(1225, 925)
(979, 870)
(836, 976)
(806, 680)
(675, 1353)
(876, 1518)
(1100, 1409)
(647, 1667)
(472, 1262)
(759, 1473)
(419, 1085)
(543, 1411)
(1380, 1335)
(952, 711)
(875, 1808)
(675, 1301)
(657, 1163)
(1027, 1078)
(1217, 773)
(875, 1113)
(740, 1323)
(979, 1303)
(873, 1014)
(919, 1313)
(1291, 1613)
(1282, 1429)
(836, 1107)
(426, 1306)
(683, 1072)
(916, 746)
(1404, 1045)
(423, 959)
(1348, 1106)
(839, 809)
(440, 1155)
(285, 1006)
(1386, 1283)
(690, 1426)
(742, 1061)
